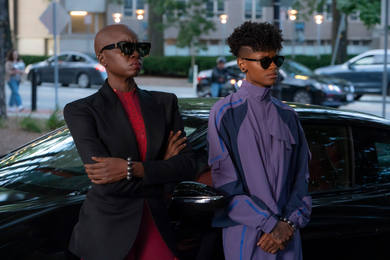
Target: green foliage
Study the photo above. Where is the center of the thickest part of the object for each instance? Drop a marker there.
(55, 121)
(2, 122)
(30, 124)
(177, 66)
(29, 59)
(312, 62)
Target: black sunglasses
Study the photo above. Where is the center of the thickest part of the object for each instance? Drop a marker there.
(266, 62)
(128, 48)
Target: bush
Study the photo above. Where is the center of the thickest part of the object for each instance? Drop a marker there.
(55, 121)
(312, 62)
(30, 124)
(177, 66)
(29, 59)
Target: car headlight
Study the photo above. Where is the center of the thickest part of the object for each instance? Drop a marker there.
(320, 86)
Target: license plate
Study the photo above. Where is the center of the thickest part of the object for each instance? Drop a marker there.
(349, 97)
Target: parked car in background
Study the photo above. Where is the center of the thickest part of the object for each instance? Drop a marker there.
(43, 184)
(73, 68)
(298, 84)
(365, 71)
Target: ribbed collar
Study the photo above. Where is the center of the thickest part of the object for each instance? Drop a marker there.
(250, 89)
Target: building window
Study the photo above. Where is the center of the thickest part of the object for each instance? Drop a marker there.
(215, 8)
(354, 16)
(128, 8)
(253, 9)
(329, 10)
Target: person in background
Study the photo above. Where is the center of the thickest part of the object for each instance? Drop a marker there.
(218, 76)
(259, 156)
(126, 138)
(14, 70)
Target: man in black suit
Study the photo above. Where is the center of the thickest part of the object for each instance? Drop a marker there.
(121, 134)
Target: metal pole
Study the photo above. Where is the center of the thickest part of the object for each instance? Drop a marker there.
(384, 78)
(55, 53)
(34, 90)
(276, 4)
(88, 33)
(293, 40)
(318, 41)
(223, 39)
(337, 43)
(194, 79)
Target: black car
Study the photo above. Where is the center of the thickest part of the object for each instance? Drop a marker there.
(298, 84)
(73, 68)
(365, 71)
(43, 183)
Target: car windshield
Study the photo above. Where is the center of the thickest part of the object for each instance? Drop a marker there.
(52, 166)
(293, 68)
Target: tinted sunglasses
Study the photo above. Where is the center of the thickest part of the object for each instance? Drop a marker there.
(128, 48)
(266, 62)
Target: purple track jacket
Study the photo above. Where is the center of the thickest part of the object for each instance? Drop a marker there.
(259, 158)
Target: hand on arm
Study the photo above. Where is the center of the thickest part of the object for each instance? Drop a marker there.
(110, 169)
(280, 235)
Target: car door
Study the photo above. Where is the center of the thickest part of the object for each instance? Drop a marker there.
(346, 217)
(71, 67)
(47, 72)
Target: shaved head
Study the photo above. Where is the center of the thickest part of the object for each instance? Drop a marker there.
(113, 34)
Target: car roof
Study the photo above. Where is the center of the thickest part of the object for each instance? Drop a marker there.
(200, 107)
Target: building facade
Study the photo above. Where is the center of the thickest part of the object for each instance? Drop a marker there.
(301, 36)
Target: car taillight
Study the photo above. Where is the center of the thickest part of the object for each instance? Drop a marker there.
(100, 68)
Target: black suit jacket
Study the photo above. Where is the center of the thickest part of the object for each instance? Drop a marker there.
(111, 213)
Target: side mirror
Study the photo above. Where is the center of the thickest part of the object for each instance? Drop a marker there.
(195, 201)
(351, 66)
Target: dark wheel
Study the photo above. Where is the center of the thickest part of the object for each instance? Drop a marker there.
(303, 96)
(83, 80)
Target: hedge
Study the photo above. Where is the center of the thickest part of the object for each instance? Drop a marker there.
(178, 66)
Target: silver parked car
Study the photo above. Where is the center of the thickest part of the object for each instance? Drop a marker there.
(364, 71)
(73, 68)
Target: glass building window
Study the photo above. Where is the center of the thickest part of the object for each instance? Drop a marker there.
(253, 9)
(128, 10)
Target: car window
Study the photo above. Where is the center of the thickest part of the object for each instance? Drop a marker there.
(50, 166)
(379, 59)
(330, 166)
(368, 60)
(372, 153)
(77, 58)
(60, 58)
(293, 68)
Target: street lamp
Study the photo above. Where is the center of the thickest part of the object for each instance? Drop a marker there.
(292, 15)
(318, 19)
(223, 18)
(117, 17)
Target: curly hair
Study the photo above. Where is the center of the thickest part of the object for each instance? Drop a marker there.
(257, 36)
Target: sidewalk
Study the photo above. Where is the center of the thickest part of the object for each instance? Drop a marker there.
(45, 93)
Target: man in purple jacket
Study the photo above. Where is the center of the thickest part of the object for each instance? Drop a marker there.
(259, 156)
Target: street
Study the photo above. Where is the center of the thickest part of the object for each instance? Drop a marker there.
(46, 97)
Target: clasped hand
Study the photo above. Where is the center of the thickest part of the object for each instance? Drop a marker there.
(111, 169)
(277, 239)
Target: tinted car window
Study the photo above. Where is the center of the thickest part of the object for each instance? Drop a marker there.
(368, 60)
(293, 68)
(330, 166)
(60, 58)
(379, 59)
(76, 58)
(49, 166)
(372, 153)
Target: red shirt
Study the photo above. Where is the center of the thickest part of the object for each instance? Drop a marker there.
(131, 105)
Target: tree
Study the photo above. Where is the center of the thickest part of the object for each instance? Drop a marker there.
(369, 13)
(4, 46)
(189, 17)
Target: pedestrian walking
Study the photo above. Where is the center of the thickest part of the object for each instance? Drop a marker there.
(259, 156)
(14, 70)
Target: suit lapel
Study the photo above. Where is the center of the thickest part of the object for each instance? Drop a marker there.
(154, 120)
(116, 119)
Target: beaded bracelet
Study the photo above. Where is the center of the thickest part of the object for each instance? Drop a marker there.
(129, 168)
(289, 222)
